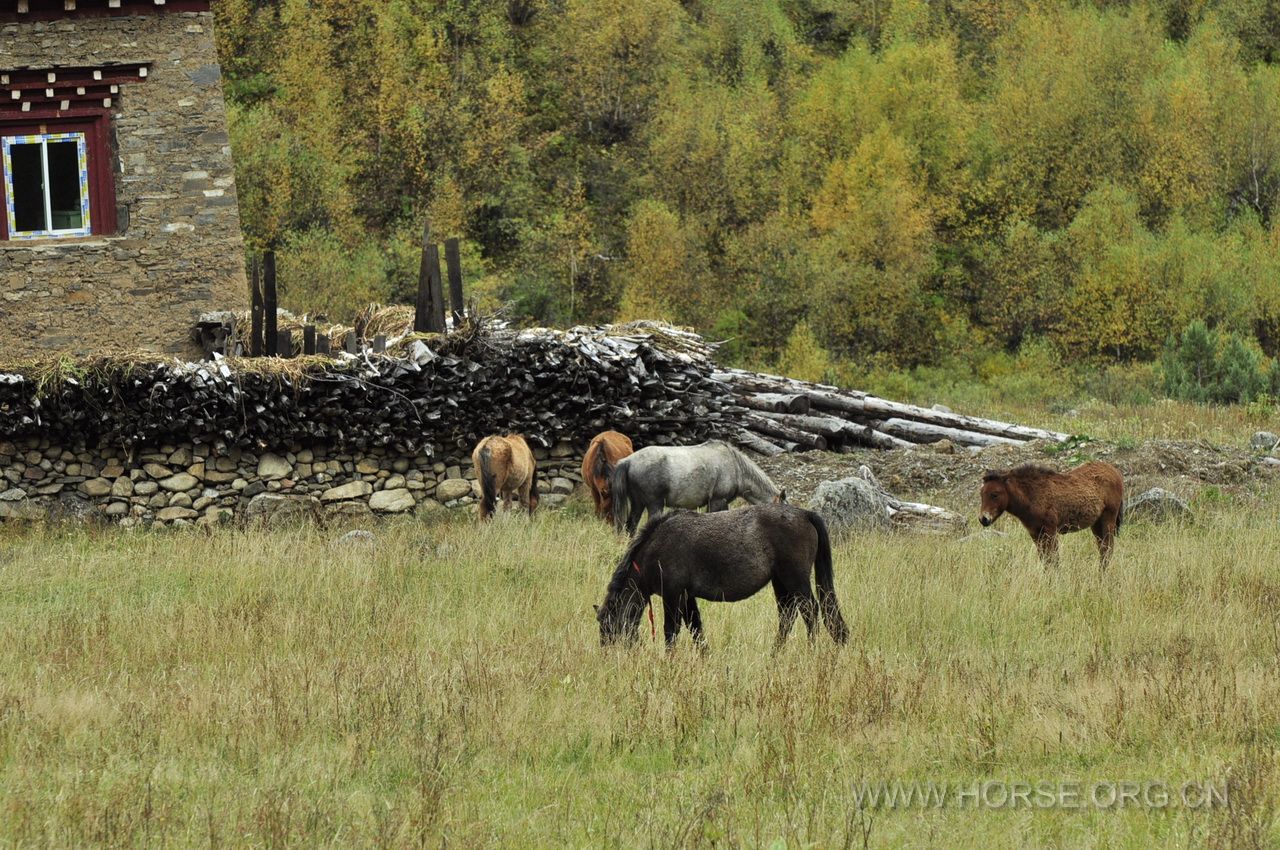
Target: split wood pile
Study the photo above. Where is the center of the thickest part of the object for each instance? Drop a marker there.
(441, 392)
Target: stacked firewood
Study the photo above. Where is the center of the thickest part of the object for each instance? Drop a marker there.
(439, 393)
(435, 395)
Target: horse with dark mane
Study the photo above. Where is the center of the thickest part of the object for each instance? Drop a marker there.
(606, 449)
(712, 474)
(724, 557)
(1049, 503)
(505, 469)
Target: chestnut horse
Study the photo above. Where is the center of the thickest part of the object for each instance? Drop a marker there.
(505, 467)
(1049, 503)
(606, 449)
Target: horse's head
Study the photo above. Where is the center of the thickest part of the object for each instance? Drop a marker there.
(994, 499)
(619, 616)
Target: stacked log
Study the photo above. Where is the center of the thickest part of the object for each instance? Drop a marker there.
(786, 414)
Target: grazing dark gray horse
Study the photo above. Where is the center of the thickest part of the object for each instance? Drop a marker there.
(659, 477)
(724, 557)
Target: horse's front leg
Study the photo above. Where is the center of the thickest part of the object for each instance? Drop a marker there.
(693, 619)
(1047, 545)
(671, 615)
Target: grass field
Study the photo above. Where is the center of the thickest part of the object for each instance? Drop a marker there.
(445, 687)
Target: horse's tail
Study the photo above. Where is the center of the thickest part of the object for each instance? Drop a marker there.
(600, 468)
(827, 603)
(488, 484)
(1120, 516)
(620, 493)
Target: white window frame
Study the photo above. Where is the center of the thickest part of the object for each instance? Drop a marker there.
(43, 139)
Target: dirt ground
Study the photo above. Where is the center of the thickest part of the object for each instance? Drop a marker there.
(950, 476)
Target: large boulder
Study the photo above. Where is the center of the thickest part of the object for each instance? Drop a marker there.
(272, 510)
(1156, 505)
(391, 501)
(1263, 441)
(74, 509)
(350, 490)
(273, 468)
(851, 504)
(453, 488)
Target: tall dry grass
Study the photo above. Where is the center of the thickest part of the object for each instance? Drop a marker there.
(445, 687)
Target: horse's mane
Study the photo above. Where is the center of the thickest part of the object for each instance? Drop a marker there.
(751, 470)
(623, 572)
(1025, 472)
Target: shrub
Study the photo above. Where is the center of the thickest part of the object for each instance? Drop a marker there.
(1205, 366)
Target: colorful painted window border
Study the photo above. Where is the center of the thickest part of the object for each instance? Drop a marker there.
(82, 151)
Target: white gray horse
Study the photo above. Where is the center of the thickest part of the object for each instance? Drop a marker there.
(659, 477)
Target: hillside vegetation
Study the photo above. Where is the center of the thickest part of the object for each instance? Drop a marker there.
(889, 183)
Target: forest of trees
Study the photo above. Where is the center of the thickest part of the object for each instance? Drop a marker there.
(880, 181)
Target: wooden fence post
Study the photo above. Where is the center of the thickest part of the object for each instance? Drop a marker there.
(379, 343)
(453, 262)
(435, 318)
(284, 344)
(351, 343)
(422, 305)
(255, 315)
(322, 345)
(269, 304)
(309, 339)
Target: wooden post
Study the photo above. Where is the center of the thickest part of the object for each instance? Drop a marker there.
(379, 343)
(284, 344)
(322, 345)
(269, 304)
(309, 339)
(435, 318)
(422, 305)
(453, 263)
(255, 315)
(352, 343)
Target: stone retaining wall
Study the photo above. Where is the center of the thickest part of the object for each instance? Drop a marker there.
(200, 484)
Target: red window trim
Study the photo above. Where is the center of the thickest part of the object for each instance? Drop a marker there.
(102, 179)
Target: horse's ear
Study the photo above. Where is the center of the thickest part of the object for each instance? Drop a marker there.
(782, 497)
(595, 608)
(993, 475)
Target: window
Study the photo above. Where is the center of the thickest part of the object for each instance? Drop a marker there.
(46, 185)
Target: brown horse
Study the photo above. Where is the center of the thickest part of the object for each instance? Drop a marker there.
(606, 449)
(505, 467)
(1049, 503)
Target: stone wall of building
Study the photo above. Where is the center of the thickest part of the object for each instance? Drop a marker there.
(201, 484)
(181, 253)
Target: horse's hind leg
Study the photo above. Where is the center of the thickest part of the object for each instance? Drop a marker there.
(788, 607)
(633, 521)
(1104, 531)
(809, 611)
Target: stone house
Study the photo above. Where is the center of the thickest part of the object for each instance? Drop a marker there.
(119, 225)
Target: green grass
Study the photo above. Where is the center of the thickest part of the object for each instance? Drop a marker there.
(446, 688)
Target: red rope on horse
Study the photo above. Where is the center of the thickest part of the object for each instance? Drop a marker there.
(653, 630)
